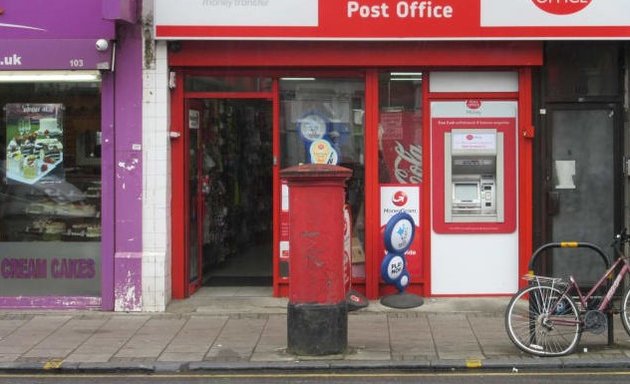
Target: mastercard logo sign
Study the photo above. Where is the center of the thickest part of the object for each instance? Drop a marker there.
(562, 7)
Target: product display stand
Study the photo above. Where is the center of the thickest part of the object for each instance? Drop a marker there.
(398, 235)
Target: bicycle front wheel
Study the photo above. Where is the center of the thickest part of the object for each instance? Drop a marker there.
(625, 311)
(543, 321)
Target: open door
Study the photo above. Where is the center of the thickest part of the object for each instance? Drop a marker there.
(229, 170)
(195, 194)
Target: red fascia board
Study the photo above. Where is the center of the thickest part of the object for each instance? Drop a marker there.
(355, 54)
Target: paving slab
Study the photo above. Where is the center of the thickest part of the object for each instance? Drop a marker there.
(151, 339)
(411, 338)
(31, 333)
(237, 340)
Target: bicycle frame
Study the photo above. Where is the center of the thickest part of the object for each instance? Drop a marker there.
(552, 303)
(584, 299)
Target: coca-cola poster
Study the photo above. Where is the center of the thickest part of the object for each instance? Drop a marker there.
(400, 147)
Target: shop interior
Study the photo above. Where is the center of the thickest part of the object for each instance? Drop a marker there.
(231, 176)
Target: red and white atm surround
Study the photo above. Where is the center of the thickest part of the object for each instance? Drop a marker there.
(474, 166)
(474, 128)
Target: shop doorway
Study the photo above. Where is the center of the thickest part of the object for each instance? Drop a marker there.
(583, 153)
(230, 192)
(578, 175)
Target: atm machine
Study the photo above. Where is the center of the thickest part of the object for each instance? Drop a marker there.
(474, 176)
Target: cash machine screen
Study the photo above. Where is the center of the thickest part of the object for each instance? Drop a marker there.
(466, 192)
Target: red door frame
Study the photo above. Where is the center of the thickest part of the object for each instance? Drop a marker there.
(526, 134)
(179, 218)
(249, 58)
(194, 285)
(372, 188)
(180, 223)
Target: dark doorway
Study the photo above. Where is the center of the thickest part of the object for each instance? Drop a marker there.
(580, 154)
(231, 168)
(581, 185)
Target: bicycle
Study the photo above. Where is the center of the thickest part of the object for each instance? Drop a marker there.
(543, 318)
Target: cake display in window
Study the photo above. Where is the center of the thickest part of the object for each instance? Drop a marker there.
(47, 228)
(34, 149)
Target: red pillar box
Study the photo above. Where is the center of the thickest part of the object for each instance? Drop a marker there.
(317, 315)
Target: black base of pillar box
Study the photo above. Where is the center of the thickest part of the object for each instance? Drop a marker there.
(317, 329)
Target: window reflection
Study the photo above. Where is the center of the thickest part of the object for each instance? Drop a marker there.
(322, 121)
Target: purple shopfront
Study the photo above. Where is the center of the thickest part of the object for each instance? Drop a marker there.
(70, 110)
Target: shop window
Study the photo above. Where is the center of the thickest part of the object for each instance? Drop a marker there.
(322, 121)
(400, 156)
(400, 128)
(50, 189)
(578, 70)
(199, 83)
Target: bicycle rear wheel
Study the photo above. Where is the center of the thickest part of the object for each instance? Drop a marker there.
(625, 311)
(542, 321)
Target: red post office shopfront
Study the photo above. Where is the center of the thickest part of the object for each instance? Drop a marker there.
(477, 118)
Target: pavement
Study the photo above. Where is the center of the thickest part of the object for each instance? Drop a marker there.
(228, 329)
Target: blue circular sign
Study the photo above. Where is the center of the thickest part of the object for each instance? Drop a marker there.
(312, 127)
(399, 233)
